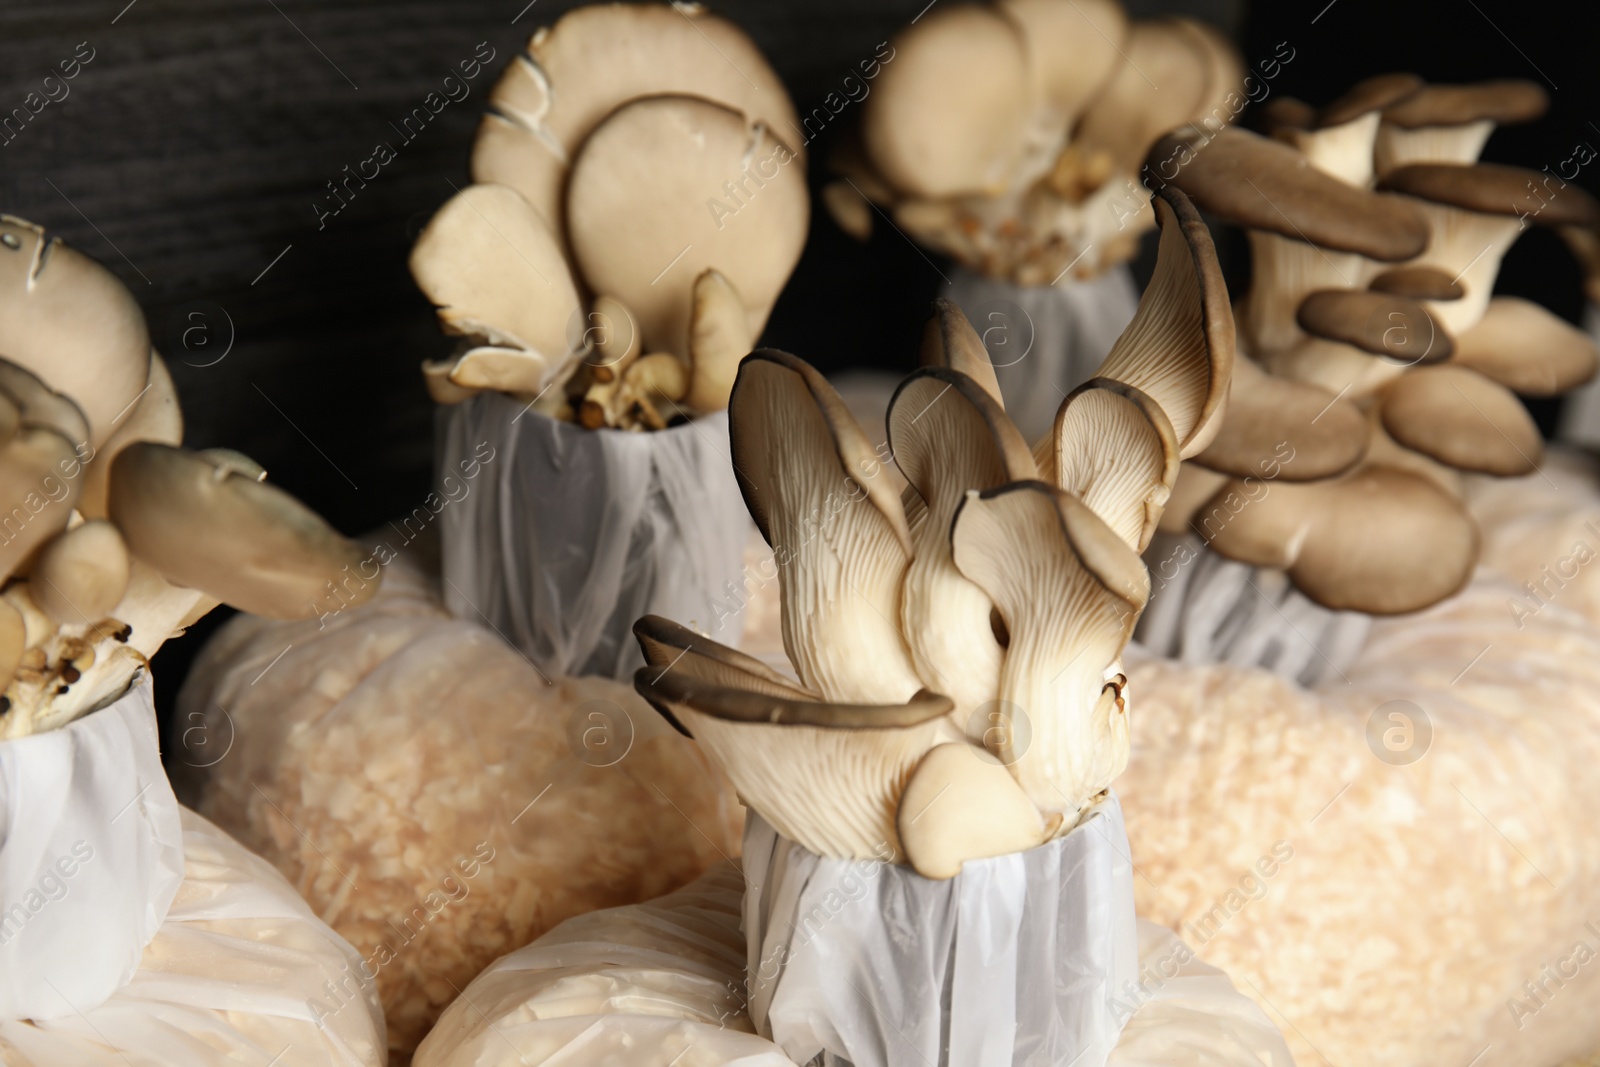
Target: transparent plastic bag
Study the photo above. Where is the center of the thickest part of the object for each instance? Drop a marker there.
(663, 985)
(433, 798)
(1012, 960)
(576, 533)
(240, 972)
(1044, 340)
(91, 854)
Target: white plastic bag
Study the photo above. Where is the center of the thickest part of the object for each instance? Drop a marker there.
(241, 972)
(663, 985)
(91, 854)
(1011, 961)
(576, 533)
(1044, 340)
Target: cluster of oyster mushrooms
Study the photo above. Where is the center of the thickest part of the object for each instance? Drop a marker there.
(956, 638)
(638, 203)
(1377, 365)
(1030, 166)
(113, 538)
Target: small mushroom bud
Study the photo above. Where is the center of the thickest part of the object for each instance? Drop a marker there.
(81, 575)
(719, 337)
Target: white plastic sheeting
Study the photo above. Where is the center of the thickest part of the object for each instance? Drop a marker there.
(569, 534)
(240, 973)
(91, 854)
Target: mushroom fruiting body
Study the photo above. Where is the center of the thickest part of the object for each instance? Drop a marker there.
(639, 165)
(957, 648)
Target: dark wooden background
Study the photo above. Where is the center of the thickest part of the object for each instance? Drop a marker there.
(191, 150)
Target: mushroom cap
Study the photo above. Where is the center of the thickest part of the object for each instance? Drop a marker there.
(1527, 349)
(827, 776)
(1462, 419)
(1502, 100)
(1160, 84)
(1493, 189)
(644, 220)
(598, 57)
(815, 487)
(934, 133)
(494, 270)
(963, 804)
(1115, 449)
(1376, 322)
(81, 574)
(39, 407)
(1179, 348)
(948, 340)
(72, 323)
(1282, 114)
(1368, 95)
(203, 525)
(1263, 184)
(1280, 428)
(1418, 283)
(670, 645)
(1378, 540)
(720, 335)
(1071, 47)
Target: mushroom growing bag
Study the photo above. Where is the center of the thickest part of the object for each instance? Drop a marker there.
(576, 533)
(436, 801)
(1014, 960)
(239, 972)
(663, 984)
(1402, 860)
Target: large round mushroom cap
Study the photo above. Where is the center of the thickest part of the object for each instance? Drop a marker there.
(671, 186)
(597, 58)
(204, 525)
(71, 322)
(948, 116)
(1504, 100)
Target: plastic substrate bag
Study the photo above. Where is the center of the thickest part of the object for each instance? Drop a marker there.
(663, 985)
(1404, 861)
(240, 972)
(436, 801)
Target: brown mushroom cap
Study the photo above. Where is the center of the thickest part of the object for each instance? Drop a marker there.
(934, 135)
(1418, 283)
(643, 219)
(1493, 189)
(1368, 95)
(670, 645)
(1527, 349)
(1282, 114)
(1264, 184)
(205, 526)
(598, 57)
(1380, 323)
(1278, 428)
(1505, 100)
(1462, 419)
(1378, 540)
(72, 323)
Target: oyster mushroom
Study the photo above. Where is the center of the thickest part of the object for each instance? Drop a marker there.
(1462, 419)
(82, 574)
(1450, 123)
(1527, 349)
(203, 524)
(961, 804)
(1068, 591)
(839, 533)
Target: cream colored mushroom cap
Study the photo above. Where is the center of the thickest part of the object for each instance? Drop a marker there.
(203, 525)
(598, 57)
(71, 322)
(671, 186)
(948, 116)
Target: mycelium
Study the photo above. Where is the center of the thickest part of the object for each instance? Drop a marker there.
(957, 652)
(1381, 366)
(639, 199)
(118, 538)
